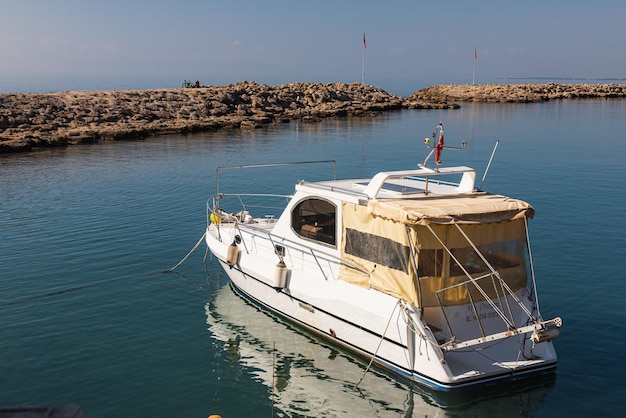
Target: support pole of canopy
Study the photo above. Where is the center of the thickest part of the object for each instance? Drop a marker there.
(418, 288)
(532, 269)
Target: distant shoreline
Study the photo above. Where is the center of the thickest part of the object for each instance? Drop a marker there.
(34, 120)
(520, 93)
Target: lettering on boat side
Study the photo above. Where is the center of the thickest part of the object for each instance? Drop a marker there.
(484, 311)
(472, 317)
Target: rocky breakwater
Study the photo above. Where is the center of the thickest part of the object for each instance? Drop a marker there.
(518, 93)
(34, 120)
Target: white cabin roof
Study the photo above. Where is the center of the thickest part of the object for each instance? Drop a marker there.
(396, 185)
(422, 196)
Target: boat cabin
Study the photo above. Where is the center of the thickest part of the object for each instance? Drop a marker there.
(430, 242)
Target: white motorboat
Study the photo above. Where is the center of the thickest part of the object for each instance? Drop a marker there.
(417, 271)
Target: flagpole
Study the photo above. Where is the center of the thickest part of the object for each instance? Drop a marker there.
(363, 65)
(474, 69)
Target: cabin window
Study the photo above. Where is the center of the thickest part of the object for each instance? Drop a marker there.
(430, 263)
(501, 255)
(379, 250)
(315, 219)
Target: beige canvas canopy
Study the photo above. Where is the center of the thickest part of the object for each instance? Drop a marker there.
(386, 238)
(480, 207)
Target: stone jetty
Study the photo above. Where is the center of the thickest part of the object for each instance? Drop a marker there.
(31, 120)
(518, 93)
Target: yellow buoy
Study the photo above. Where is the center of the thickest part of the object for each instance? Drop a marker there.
(215, 218)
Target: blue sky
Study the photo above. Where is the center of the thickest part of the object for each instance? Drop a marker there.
(409, 43)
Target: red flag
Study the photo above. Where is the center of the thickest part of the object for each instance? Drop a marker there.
(439, 148)
(364, 44)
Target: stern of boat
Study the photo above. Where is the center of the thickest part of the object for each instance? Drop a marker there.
(491, 341)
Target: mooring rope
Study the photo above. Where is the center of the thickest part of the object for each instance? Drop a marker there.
(188, 254)
(382, 337)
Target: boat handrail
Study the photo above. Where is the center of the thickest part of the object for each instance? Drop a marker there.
(502, 295)
(256, 195)
(532, 324)
(266, 165)
(321, 255)
(213, 206)
(466, 184)
(317, 255)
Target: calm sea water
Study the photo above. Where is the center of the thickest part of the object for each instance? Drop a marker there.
(88, 317)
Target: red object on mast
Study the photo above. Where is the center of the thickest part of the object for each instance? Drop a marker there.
(439, 147)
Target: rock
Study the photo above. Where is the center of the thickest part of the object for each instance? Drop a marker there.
(249, 124)
(517, 93)
(35, 120)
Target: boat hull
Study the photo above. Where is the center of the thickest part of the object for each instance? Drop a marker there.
(419, 362)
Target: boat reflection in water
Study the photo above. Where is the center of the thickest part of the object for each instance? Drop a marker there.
(308, 377)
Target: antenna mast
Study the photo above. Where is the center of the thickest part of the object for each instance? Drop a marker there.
(489, 164)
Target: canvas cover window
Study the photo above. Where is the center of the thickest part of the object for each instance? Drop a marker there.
(502, 245)
(379, 250)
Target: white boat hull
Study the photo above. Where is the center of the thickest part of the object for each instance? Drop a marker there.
(370, 323)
